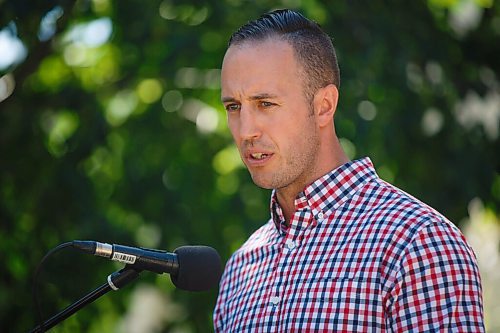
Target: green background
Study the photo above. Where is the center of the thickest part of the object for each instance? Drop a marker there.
(111, 129)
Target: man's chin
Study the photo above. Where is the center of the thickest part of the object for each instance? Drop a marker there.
(263, 182)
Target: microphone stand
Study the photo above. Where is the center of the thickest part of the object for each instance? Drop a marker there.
(116, 281)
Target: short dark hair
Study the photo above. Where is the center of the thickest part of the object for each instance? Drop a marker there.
(312, 46)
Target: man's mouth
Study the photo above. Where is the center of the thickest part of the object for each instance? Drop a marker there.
(259, 156)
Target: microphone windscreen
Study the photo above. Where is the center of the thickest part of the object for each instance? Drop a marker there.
(200, 268)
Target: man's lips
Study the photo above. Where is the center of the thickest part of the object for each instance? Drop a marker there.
(257, 157)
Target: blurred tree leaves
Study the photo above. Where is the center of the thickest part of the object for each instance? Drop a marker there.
(111, 129)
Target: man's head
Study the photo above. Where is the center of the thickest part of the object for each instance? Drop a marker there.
(312, 47)
(281, 123)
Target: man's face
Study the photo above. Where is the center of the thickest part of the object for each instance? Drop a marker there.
(268, 115)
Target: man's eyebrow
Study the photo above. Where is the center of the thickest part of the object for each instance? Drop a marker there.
(262, 96)
(252, 98)
(228, 99)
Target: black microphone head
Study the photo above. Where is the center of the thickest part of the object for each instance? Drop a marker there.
(200, 268)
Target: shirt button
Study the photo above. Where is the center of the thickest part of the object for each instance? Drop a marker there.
(320, 216)
(275, 300)
(290, 244)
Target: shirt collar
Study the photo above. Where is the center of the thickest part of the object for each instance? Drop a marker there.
(326, 193)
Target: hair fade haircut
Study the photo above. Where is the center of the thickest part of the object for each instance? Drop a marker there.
(312, 47)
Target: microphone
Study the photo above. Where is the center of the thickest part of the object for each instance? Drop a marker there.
(191, 268)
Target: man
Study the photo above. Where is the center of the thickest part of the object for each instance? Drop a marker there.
(343, 251)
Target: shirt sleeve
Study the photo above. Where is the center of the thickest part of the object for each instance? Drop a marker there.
(438, 288)
(219, 310)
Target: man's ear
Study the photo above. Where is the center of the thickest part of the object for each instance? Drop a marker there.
(325, 104)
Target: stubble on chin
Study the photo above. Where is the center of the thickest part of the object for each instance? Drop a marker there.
(261, 181)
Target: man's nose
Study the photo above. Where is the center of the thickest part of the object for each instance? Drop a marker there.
(249, 124)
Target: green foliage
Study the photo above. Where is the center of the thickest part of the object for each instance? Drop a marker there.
(114, 132)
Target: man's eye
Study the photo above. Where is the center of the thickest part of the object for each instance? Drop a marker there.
(266, 104)
(232, 107)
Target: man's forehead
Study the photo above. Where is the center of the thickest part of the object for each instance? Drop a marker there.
(257, 67)
(266, 44)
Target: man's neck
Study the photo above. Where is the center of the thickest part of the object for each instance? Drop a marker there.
(286, 200)
(286, 196)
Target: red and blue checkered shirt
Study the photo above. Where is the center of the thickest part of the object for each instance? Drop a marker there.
(359, 255)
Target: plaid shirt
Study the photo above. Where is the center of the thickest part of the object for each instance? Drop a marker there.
(359, 255)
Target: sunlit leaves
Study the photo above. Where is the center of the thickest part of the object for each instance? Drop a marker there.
(59, 127)
(113, 129)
